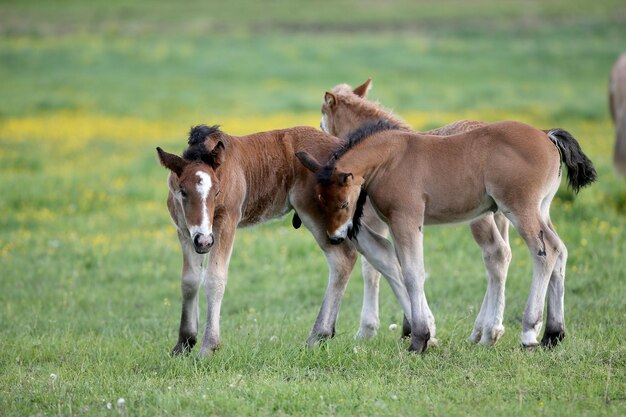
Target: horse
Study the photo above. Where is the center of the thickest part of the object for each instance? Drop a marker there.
(350, 109)
(223, 182)
(617, 106)
(413, 180)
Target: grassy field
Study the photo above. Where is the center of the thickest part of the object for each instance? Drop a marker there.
(89, 262)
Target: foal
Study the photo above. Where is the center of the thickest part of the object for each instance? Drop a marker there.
(344, 111)
(414, 180)
(222, 182)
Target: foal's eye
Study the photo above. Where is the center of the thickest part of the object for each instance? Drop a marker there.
(183, 193)
(344, 205)
(218, 193)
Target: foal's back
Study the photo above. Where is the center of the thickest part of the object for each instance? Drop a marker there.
(459, 176)
(492, 148)
(261, 171)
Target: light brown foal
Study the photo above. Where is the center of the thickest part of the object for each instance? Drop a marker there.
(413, 180)
(344, 111)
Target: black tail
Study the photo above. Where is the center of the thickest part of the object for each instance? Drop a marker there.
(580, 170)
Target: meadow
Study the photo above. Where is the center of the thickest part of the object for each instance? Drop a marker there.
(89, 260)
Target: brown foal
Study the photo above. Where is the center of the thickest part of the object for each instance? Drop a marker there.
(413, 180)
(350, 109)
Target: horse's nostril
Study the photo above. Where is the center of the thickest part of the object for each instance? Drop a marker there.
(196, 240)
(336, 240)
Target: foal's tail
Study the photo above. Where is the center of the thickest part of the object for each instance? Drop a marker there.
(580, 170)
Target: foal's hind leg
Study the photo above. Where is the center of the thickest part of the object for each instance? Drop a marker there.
(555, 326)
(191, 279)
(488, 326)
(545, 248)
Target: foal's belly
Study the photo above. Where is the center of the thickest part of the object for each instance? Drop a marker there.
(457, 210)
(264, 209)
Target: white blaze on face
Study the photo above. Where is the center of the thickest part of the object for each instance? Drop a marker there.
(203, 187)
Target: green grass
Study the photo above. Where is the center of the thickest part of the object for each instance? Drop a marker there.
(89, 264)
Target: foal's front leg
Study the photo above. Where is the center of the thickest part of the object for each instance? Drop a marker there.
(191, 278)
(408, 238)
(215, 282)
(381, 255)
(341, 259)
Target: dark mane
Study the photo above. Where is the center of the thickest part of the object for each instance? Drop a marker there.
(197, 151)
(358, 213)
(324, 175)
(356, 136)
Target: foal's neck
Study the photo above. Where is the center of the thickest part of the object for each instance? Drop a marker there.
(370, 153)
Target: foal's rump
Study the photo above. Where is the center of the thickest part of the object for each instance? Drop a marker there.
(537, 155)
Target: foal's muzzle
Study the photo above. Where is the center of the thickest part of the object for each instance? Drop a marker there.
(203, 243)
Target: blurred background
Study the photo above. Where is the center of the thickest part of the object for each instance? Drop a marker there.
(89, 88)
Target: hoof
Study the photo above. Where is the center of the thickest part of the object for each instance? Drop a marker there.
(552, 338)
(406, 328)
(206, 352)
(529, 339)
(419, 344)
(491, 337)
(433, 342)
(319, 339)
(184, 346)
(476, 335)
(530, 347)
(366, 332)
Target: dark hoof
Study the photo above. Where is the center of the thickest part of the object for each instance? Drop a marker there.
(320, 339)
(529, 348)
(184, 346)
(406, 328)
(552, 338)
(419, 344)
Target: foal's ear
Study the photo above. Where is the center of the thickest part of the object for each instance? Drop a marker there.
(216, 156)
(364, 88)
(345, 178)
(309, 162)
(330, 99)
(174, 163)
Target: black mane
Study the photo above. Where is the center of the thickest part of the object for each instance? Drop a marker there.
(356, 136)
(358, 213)
(197, 135)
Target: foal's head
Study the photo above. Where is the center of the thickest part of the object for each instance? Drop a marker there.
(345, 109)
(195, 186)
(340, 196)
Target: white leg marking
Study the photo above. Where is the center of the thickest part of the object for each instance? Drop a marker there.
(369, 314)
